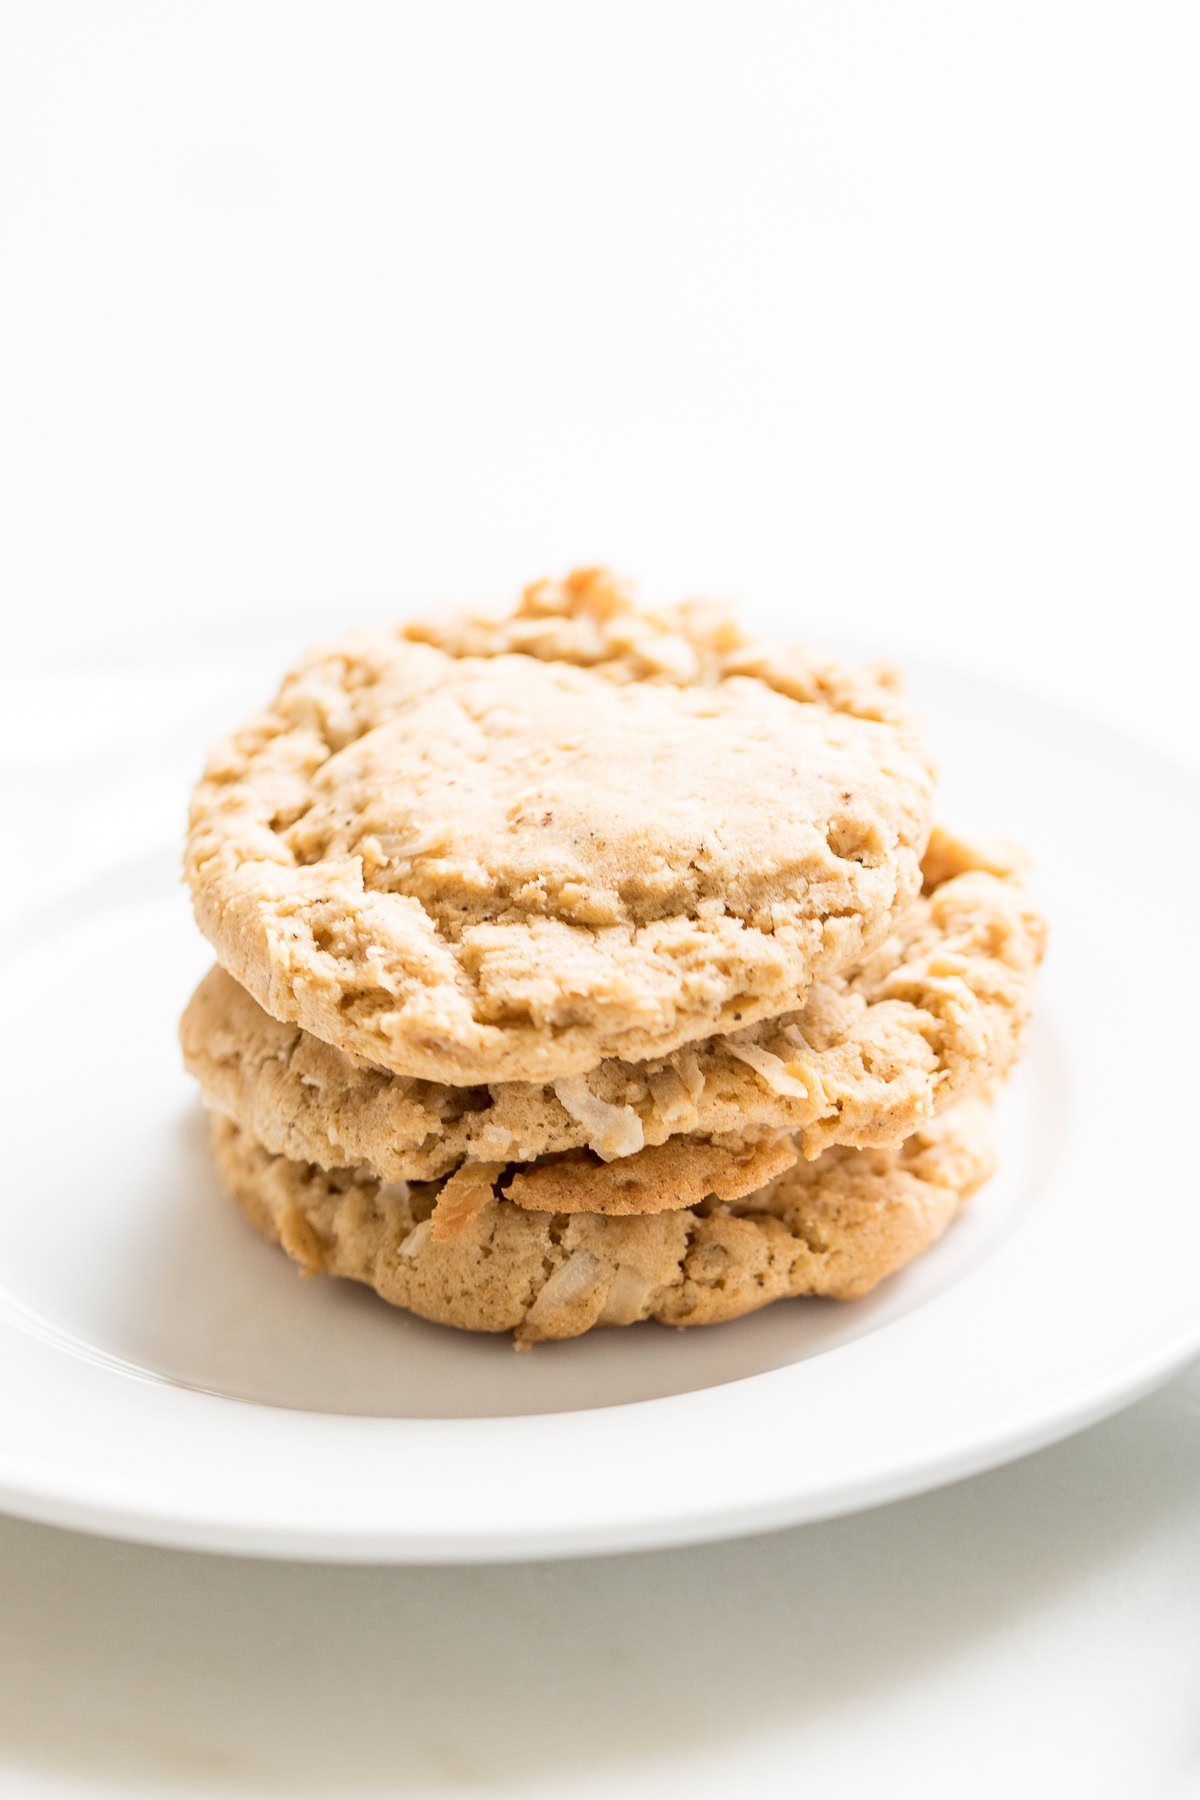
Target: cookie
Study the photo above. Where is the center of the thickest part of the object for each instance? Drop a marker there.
(941, 1006)
(665, 1178)
(509, 851)
(836, 1226)
(661, 1178)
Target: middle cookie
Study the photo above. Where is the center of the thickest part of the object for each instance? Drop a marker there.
(941, 1007)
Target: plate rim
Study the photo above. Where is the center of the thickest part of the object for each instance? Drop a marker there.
(31, 1494)
(38, 1504)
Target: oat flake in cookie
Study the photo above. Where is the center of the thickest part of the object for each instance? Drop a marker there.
(508, 850)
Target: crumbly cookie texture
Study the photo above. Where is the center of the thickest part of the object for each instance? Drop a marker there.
(506, 851)
(836, 1226)
(941, 1006)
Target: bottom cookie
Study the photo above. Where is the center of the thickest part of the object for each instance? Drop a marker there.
(834, 1227)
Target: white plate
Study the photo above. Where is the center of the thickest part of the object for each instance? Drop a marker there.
(165, 1376)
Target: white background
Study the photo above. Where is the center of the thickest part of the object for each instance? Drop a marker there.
(310, 313)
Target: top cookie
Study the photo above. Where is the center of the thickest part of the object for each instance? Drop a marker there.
(507, 850)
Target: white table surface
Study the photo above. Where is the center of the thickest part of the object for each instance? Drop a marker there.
(1036, 1630)
(310, 312)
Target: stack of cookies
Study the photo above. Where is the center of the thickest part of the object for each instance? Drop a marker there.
(593, 964)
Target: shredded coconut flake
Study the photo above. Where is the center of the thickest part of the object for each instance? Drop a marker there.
(627, 1299)
(769, 1068)
(613, 1131)
(577, 1276)
(690, 1073)
(672, 1101)
(414, 842)
(416, 1240)
(468, 1191)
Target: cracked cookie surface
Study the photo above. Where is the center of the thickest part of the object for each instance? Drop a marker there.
(836, 1226)
(942, 1005)
(509, 850)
